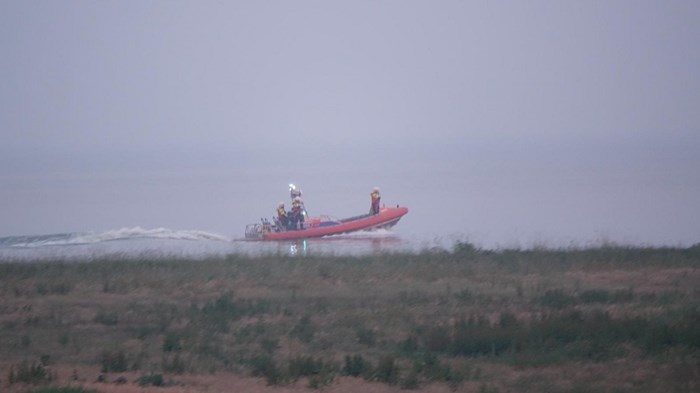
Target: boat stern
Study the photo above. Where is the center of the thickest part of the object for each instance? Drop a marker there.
(254, 231)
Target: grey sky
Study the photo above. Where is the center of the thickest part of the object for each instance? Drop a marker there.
(541, 95)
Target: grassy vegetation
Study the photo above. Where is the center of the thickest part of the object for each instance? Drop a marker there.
(601, 319)
(62, 390)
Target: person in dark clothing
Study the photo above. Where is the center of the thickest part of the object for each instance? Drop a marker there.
(296, 215)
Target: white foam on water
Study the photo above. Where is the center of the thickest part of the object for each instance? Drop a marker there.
(134, 233)
(137, 242)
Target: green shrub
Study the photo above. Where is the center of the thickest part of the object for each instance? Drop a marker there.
(409, 345)
(488, 388)
(171, 342)
(465, 249)
(54, 389)
(432, 369)
(387, 371)
(595, 296)
(269, 345)
(108, 319)
(63, 339)
(437, 338)
(151, 380)
(573, 335)
(60, 288)
(219, 313)
(356, 366)
(30, 373)
(265, 366)
(622, 295)
(321, 380)
(466, 296)
(556, 298)
(304, 330)
(410, 381)
(472, 338)
(116, 286)
(174, 364)
(304, 366)
(114, 361)
(366, 337)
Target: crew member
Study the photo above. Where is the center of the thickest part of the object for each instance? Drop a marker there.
(282, 215)
(294, 193)
(296, 215)
(376, 197)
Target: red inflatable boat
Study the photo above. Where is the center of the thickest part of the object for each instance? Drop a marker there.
(325, 226)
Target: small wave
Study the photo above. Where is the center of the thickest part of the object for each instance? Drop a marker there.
(381, 232)
(108, 236)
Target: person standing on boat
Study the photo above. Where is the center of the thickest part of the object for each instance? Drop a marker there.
(376, 197)
(294, 193)
(282, 216)
(296, 215)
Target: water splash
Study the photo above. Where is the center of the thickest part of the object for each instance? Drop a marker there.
(140, 243)
(135, 233)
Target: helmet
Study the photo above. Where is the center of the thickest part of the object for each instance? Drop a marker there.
(297, 199)
(281, 204)
(376, 189)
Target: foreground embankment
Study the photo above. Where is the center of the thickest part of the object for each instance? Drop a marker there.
(612, 318)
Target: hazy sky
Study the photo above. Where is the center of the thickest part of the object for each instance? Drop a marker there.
(507, 120)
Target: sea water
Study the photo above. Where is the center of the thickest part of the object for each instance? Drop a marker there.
(483, 201)
(140, 243)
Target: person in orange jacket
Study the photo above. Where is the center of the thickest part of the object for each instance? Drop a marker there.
(376, 197)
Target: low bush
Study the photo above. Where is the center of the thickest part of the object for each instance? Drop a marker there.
(366, 337)
(225, 309)
(556, 298)
(319, 372)
(304, 366)
(466, 296)
(410, 381)
(304, 330)
(113, 361)
(29, 373)
(266, 367)
(595, 296)
(465, 249)
(151, 380)
(174, 364)
(429, 366)
(108, 319)
(67, 389)
(171, 342)
(356, 366)
(576, 335)
(387, 371)
(59, 288)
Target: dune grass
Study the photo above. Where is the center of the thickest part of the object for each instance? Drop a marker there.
(494, 320)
